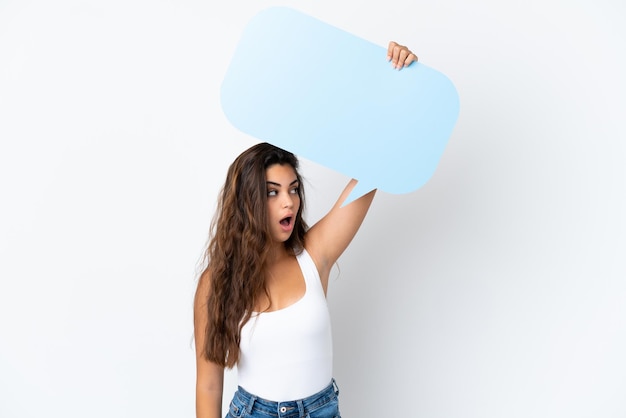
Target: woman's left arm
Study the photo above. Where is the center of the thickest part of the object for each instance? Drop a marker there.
(331, 235)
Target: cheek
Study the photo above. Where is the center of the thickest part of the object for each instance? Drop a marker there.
(274, 209)
(270, 210)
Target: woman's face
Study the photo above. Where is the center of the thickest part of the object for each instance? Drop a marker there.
(283, 201)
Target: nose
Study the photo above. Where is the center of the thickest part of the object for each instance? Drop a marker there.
(288, 201)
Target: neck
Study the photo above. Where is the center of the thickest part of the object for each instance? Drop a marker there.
(277, 252)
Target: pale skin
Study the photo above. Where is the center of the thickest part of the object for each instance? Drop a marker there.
(325, 242)
(399, 55)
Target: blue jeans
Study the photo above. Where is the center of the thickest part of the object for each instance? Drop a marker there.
(324, 404)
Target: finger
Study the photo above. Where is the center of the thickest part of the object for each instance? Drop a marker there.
(410, 58)
(390, 48)
(402, 56)
(395, 55)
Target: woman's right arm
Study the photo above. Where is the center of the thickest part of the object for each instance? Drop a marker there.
(209, 376)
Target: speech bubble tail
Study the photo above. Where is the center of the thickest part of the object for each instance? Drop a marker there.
(357, 191)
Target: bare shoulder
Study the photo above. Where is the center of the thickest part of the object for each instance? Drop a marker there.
(204, 284)
(200, 314)
(200, 310)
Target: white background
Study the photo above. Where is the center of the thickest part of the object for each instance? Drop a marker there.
(496, 290)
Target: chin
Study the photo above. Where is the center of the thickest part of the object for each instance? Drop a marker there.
(280, 239)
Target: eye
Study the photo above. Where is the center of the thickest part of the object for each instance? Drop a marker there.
(294, 190)
(271, 193)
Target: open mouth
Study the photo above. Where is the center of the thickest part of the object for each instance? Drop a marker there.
(286, 221)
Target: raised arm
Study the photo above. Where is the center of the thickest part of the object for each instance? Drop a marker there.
(328, 238)
(331, 235)
(209, 376)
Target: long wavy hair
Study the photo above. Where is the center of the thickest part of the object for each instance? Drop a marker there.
(237, 252)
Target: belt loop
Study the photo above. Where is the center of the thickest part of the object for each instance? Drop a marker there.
(300, 409)
(250, 404)
(336, 387)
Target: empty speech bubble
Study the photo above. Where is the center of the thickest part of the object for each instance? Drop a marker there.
(332, 97)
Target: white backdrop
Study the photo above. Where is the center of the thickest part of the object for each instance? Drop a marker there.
(496, 290)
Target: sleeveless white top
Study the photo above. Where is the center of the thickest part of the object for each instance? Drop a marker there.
(287, 354)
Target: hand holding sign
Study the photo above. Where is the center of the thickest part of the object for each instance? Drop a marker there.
(338, 102)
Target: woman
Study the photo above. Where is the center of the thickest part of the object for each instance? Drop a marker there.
(260, 302)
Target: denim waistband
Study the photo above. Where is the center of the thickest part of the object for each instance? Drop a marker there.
(288, 409)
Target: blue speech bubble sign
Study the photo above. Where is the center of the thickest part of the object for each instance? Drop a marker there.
(332, 97)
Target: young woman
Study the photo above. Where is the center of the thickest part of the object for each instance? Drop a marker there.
(261, 300)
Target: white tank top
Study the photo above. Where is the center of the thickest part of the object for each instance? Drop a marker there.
(287, 354)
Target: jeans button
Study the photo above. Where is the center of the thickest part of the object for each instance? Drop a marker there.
(283, 409)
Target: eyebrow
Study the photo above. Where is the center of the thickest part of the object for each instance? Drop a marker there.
(278, 184)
